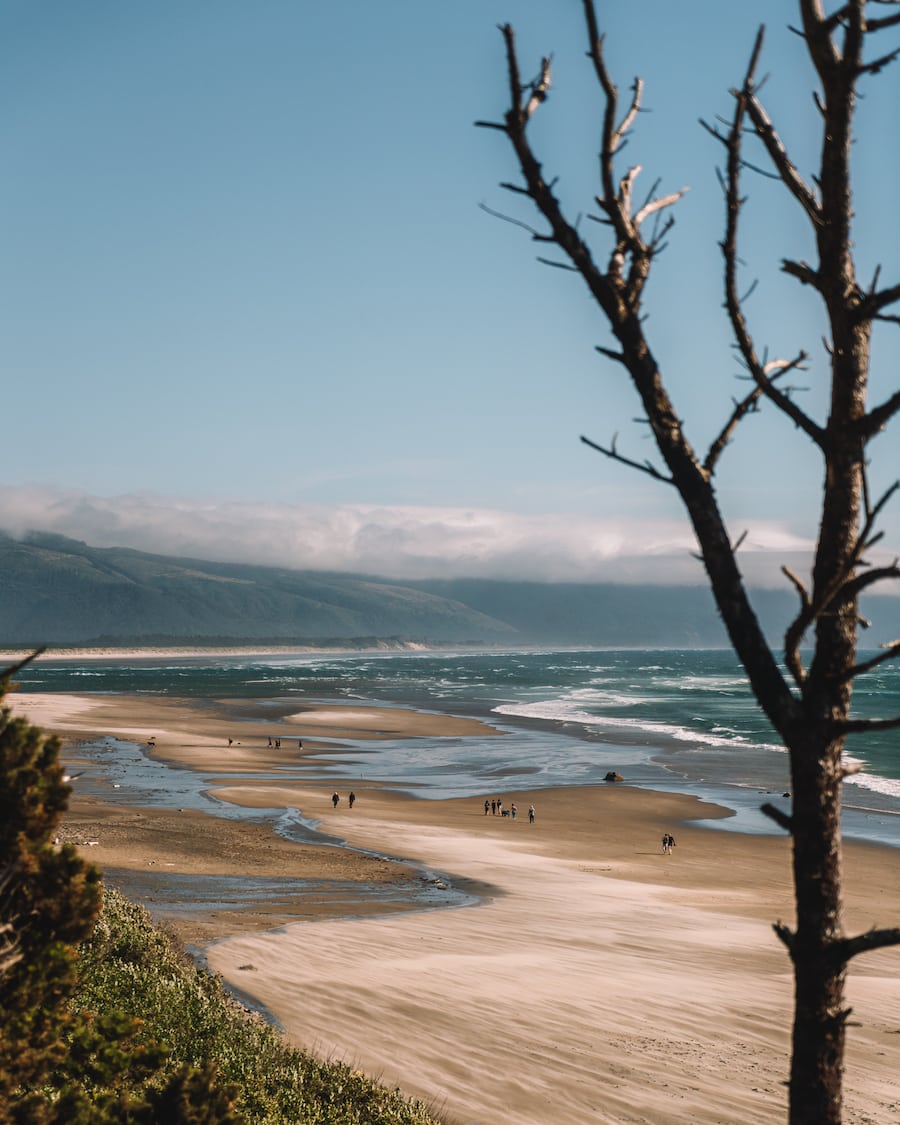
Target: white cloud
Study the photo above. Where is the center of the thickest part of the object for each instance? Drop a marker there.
(398, 542)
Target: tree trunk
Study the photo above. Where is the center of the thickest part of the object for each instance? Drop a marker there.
(819, 1017)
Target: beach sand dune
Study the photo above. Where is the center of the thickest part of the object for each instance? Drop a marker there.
(592, 980)
(616, 985)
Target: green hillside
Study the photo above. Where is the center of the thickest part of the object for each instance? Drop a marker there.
(61, 591)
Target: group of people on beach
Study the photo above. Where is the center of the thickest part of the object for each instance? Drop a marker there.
(494, 806)
(668, 843)
(336, 799)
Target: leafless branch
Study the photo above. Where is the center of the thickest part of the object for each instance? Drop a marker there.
(883, 22)
(656, 205)
(785, 935)
(864, 726)
(860, 582)
(817, 31)
(797, 583)
(802, 271)
(515, 222)
(877, 65)
(778, 154)
(846, 584)
(746, 406)
(613, 135)
(795, 631)
(872, 514)
(540, 88)
(9, 673)
(891, 652)
(873, 303)
(764, 382)
(834, 21)
(879, 416)
(847, 948)
(729, 245)
(516, 189)
(557, 265)
(643, 467)
(781, 818)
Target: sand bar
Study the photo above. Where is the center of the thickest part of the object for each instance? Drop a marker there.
(596, 981)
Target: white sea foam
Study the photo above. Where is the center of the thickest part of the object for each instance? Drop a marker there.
(702, 683)
(558, 710)
(610, 698)
(889, 786)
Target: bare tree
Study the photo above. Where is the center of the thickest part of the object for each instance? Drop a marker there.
(809, 704)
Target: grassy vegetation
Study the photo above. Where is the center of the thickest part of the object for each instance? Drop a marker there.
(128, 966)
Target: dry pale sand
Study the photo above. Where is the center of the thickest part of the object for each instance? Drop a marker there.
(596, 980)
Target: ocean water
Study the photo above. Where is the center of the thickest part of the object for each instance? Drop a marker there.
(674, 720)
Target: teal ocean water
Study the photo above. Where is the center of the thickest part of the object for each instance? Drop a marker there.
(682, 721)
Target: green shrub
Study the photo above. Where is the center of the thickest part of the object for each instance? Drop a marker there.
(184, 1018)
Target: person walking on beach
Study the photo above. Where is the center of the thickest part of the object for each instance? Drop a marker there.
(494, 807)
(335, 797)
(351, 798)
(514, 810)
(487, 805)
(531, 814)
(668, 842)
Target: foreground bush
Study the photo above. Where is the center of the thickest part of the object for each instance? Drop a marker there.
(129, 969)
(49, 898)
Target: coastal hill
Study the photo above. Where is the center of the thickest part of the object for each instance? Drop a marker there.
(55, 590)
(60, 591)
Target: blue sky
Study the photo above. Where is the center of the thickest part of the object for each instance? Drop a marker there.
(252, 310)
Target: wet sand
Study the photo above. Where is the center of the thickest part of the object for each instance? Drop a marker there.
(596, 979)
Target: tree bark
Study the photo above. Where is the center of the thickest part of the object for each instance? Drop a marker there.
(819, 1016)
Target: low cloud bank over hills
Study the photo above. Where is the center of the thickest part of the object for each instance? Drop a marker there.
(55, 590)
(409, 543)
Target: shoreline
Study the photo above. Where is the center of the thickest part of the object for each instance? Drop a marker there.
(595, 979)
(61, 654)
(862, 820)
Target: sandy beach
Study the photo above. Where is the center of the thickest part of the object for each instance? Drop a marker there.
(592, 979)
